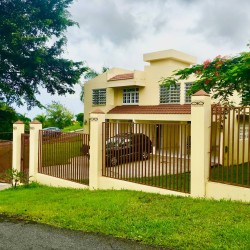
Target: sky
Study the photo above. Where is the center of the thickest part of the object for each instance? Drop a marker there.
(116, 33)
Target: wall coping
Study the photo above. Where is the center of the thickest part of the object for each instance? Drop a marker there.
(201, 93)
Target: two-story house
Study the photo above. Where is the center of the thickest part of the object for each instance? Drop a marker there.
(136, 96)
(125, 95)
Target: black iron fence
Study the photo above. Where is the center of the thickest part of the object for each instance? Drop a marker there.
(151, 154)
(230, 145)
(63, 155)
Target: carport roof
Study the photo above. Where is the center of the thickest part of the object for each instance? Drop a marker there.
(152, 109)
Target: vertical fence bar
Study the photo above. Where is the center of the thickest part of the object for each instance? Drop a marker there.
(228, 143)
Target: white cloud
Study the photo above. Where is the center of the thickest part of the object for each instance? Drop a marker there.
(116, 33)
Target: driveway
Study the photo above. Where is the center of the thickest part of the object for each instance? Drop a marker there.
(21, 235)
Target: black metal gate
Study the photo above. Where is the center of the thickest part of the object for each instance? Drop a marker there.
(151, 154)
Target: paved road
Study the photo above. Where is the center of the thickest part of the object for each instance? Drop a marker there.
(20, 235)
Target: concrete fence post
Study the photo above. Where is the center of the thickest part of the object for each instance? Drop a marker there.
(18, 130)
(96, 119)
(35, 127)
(200, 142)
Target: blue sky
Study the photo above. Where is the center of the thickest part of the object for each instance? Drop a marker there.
(116, 33)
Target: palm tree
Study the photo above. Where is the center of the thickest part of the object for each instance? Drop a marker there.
(41, 118)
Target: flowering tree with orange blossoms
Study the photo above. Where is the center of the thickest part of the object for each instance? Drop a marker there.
(221, 77)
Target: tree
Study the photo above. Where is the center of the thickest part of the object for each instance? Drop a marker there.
(58, 115)
(26, 120)
(80, 118)
(31, 44)
(88, 75)
(7, 117)
(43, 119)
(221, 76)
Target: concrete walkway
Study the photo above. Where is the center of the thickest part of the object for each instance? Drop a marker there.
(21, 235)
(4, 186)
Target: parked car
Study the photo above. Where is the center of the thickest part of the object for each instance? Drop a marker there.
(51, 132)
(124, 148)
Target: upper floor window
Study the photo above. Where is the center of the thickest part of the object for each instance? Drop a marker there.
(131, 96)
(187, 88)
(171, 95)
(99, 96)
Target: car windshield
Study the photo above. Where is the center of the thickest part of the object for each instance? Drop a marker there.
(117, 141)
(52, 129)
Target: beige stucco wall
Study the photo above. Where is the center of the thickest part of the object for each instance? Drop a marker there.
(57, 182)
(222, 191)
(110, 183)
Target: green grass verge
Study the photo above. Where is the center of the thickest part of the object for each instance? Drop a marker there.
(172, 222)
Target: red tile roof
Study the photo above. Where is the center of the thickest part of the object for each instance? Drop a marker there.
(152, 109)
(122, 77)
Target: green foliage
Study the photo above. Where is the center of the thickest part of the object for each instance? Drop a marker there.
(58, 115)
(31, 45)
(15, 177)
(168, 221)
(25, 120)
(73, 127)
(222, 76)
(7, 117)
(80, 118)
(43, 119)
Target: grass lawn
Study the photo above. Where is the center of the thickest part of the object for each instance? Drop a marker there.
(61, 150)
(172, 222)
(178, 182)
(233, 174)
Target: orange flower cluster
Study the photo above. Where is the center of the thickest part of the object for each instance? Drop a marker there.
(206, 63)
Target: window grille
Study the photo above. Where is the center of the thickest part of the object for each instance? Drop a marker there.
(187, 88)
(171, 95)
(99, 96)
(131, 96)
(244, 129)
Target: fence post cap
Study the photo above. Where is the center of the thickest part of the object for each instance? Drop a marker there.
(19, 122)
(35, 122)
(97, 111)
(201, 93)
